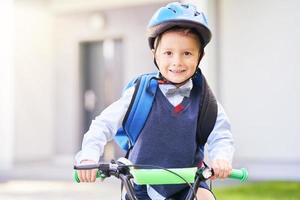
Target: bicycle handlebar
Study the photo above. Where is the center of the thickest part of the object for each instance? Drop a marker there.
(159, 176)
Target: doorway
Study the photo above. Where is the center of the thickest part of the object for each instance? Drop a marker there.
(102, 79)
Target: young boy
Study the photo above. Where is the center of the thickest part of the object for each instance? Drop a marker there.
(177, 36)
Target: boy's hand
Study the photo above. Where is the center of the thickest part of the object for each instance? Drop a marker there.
(222, 168)
(87, 175)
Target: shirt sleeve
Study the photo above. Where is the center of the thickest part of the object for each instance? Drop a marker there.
(220, 141)
(103, 128)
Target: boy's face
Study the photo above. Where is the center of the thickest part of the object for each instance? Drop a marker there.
(177, 55)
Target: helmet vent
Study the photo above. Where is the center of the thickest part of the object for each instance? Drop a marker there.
(196, 13)
(172, 10)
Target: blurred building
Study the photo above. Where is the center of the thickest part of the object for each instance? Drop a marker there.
(72, 58)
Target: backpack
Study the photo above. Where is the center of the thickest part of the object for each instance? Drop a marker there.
(141, 103)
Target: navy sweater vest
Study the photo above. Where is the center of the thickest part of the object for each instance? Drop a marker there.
(168, 138)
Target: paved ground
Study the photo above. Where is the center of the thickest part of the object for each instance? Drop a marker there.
(58, 190)
(50, 180)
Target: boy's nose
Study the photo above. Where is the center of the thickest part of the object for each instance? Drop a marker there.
(176, 60)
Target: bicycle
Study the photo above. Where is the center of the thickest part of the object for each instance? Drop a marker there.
(128, 173)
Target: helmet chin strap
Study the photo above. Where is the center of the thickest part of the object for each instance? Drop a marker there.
(161, 77)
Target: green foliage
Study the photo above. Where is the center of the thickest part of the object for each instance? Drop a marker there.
(260, 191)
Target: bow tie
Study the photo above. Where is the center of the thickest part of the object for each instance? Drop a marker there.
(185, 92)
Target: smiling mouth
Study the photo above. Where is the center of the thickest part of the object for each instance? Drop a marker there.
(177, 70)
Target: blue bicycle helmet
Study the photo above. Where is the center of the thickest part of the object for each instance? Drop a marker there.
(178, 14)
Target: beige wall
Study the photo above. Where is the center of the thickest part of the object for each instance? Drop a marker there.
(34, 81)
(6, 86)
(79, 6)
(259, 48)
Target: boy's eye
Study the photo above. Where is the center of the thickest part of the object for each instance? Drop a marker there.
(168, 53)
(187, 53)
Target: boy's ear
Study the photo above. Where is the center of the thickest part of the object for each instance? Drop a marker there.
(153, 53)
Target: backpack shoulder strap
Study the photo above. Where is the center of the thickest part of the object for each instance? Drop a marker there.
(138, 110)
(208, 113)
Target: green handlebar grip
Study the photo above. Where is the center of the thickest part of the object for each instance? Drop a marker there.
(160, 176)
(76, 178)
(241, 174)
